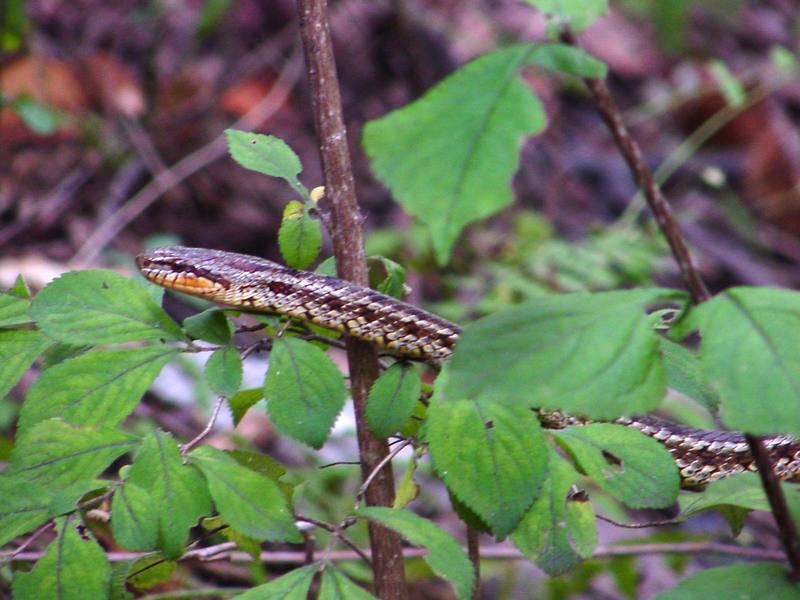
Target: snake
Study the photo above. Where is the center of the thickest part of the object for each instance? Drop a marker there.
(255, 284)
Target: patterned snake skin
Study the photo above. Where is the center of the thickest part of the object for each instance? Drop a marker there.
(257, 284)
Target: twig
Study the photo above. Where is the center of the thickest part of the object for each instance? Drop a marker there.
(338, 533)
(31, 538)
(187, 166)
(644, 525)
(207, 429)
(777, 501)
(630, 150)
(385, 461)
(669, 228)
(351, 264)
(499, 552)
(474, 552)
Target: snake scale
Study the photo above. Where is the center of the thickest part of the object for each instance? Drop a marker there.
(256, 284)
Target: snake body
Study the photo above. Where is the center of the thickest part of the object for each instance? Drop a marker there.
(257, 284)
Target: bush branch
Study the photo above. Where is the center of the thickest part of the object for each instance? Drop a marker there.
(351, 264)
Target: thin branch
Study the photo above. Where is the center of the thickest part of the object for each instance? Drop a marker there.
(644, 525)
(31, 538)
(669, 228)
(629, 148)
(777, 501)
(207, 429)
(339, 534)
(500, 552)
(351, 264)
(385, 461)
(474, 552)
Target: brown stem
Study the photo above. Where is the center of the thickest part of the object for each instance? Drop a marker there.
(605, 105)
(348, 248)
(629, 148)
(777, 501)
(474, 552)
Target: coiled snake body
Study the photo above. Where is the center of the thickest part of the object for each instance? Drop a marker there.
(256, 284)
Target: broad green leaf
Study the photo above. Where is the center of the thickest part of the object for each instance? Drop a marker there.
(246, 543)
(685, 374)
(39, 118)
(179, 490)
(210, 325)
(737, 582)
(18, 349)
(300, 236)
(392, 399)
(59, 454)
(387, 277)
(337, 586)
(149, 571)
(96, 388)
(13, 310)
(24, 508)
(242, 401)
(446, 557)
(100, 307)
(134, 517)
(568, 59)
(74, 567)
(305, 391)
(260, 463)
(558, 531)
(749, 353)
(587, 354)
(292, 586)
(578, 13)
(224, 371)
(626, 463)
(491, 456)
(449, 157)
(248, 501)
(266, 154)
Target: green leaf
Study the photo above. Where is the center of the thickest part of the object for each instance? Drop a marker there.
(730, 87)
(15, 24)
(446, 557)
(578, 13)
(56, 453)
(149, 571)
(134, 517)
(24, 507)
(587, 354)
(737, 582)
(392, 399)
(685, 374)
(179, 490)
(242, 401)
(304, 390)
(249, 502)
(449, 157)
(626, 463)
(491, 456)
(749, 353)
(96, 388)
(558, 531)
(292, 586)
(13, 310)
(568, 59)
(387, 277)
(210, 325)
(260, 463)
(100, 307)
(337, 586)
(300, 236)
(18, 349)
(74, 567)
(224, 371)
(266, 154)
